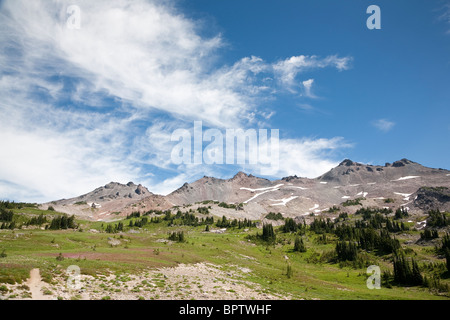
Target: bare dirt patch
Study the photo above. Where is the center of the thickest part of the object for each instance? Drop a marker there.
(200, 281)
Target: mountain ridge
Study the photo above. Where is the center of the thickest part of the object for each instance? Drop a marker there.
(292, 196)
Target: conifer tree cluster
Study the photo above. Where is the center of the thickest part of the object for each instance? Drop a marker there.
(268, 234)
(6, 215)
(395, 226)
(320, 226)
(37, 221)
(401, 213)
(16, 205)
(445, 243)
(10, 225)
(368, 238)
(138, 223)
(274, 216)
(203, 210)
(299, 245)
(447, 259)
(227, 205)
(342, 216)
(346, 251)
(371, 239)
(407, 273)
(235, 223)
(429, 234)
(63, 222)
(290, 226)
(437, 219)
(117, 228)
(368, 212)
(177, 236)
(377, 219)
(134, 214)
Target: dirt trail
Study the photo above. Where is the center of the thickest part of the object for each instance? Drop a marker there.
(36, 284)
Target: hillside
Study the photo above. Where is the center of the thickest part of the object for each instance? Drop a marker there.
(239, 238)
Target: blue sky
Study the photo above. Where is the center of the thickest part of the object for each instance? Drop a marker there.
(84, 107)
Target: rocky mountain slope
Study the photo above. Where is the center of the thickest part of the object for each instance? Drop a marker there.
(427, 198)
(105, 200)
(394, 185)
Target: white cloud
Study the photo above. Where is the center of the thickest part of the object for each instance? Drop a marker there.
(309, 157)
(287, 70)
(445, 14)
(307, 85)
(306, 157)
(84, 107)
(383, 125)
(57, 166)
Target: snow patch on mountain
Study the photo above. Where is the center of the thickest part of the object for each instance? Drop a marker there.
(263, 189)
(283, 201)
(258, 194)
(406, 178)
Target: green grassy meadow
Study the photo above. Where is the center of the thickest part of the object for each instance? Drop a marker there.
(312, 276)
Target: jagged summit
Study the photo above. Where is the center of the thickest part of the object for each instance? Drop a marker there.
(109, 192)
(351, 172)
(400, 163)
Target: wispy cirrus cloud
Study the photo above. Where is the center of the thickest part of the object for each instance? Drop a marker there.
(383, 125)
(287, 70)
(444, 14)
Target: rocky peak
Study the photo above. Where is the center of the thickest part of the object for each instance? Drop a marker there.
(349, 163)
(140, 190)
(240, 175)
(346, 163)
(290, 178)
(400, 163)
(111, 185)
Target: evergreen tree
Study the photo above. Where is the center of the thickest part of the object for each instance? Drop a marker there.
(289, 271)
(416, 277)
(177, 236)
(222, 223)
(437, 219)
(346, 251)
(299, 245)
(401, 213)
(109, 229)
(445, 242)
(447, 258)
(62, 222)
(71, 222)
(407, 274)
(289, 226)
(320, 226)
(268, 234)
(6, 215)
(428, 234)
